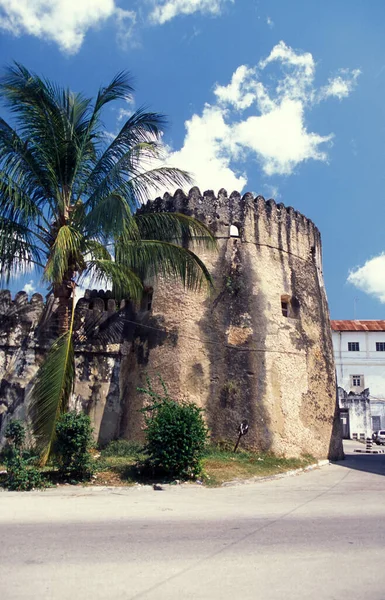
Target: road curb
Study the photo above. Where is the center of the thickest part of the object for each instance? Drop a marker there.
(317, 465)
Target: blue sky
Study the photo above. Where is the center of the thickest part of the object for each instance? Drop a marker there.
(281, 97)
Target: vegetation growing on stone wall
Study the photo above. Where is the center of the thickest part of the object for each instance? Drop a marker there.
(68, 202)
(176, 434)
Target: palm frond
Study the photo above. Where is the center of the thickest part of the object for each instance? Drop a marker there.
(18, 250)
(116, 164)
(16, 204)
(110, 218)
(174, 227)
(145, 182)
(51, 391)
(124, 281)
(120, 88)
(21, 162)
(96, 250)
(152, 258)
(56, 123)
(64, 254)
(103, 329)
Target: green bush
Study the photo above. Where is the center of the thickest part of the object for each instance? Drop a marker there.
(21, 476)
(73, 444)
(176, 434)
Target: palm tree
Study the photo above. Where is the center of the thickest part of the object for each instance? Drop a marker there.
(68, 202)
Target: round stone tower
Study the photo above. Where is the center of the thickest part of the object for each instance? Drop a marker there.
(258, 347)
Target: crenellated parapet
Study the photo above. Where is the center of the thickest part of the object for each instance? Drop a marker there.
(259, 221)
(19, 317)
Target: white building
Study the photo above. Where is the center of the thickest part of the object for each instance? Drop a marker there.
(359, 353)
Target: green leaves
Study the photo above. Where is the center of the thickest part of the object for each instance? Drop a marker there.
(153, 258)
(52, 389)
(73, 444)
(123, 280)
(176, 434)
(65, 254)
(174, 227)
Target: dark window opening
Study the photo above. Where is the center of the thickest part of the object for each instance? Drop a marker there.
(146, 302)
(380, 346)
(290, 306)
(149, 301)
(353, 347)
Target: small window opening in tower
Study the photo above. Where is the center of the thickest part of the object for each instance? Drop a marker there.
(290, 306)
(149, 300)
(234, 231)
(146, 302)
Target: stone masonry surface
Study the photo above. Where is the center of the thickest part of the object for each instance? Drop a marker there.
(258, 347)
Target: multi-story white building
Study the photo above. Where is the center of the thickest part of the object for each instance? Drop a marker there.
(359, 352)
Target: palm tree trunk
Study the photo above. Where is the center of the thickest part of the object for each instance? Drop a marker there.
(64, 292)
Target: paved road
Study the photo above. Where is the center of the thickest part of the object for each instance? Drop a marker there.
(315, 536)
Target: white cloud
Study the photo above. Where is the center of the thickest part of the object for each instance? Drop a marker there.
(240, 92)
(205, 153)
(29, 287)
(62, 21)
(370, 277)
(261, 113)
(165, 10)
(271, 191)
(342, 85)
(270, 22)
(125, 23)
(124, 114)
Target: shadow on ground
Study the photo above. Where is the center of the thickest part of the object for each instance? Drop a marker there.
(371, 463)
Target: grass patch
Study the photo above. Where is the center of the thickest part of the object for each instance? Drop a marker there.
(220, 466)
(125, 448)
(121, 463)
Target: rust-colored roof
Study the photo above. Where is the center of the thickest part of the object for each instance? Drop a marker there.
(358, 325)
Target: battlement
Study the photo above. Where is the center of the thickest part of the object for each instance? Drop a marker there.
(30, 308)
(99, 318)
(257, 220)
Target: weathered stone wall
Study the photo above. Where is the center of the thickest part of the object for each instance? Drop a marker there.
(27, 329)
(232, 351)
(106, 337)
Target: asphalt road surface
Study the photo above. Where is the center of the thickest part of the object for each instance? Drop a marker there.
(315, 536)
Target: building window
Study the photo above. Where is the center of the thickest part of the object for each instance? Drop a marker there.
(380, 346)
(285, 309)
(353, 346)
(234, 231)
(357, 381)
(376, 423)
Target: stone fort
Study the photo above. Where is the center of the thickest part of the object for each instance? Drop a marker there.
(257, 347)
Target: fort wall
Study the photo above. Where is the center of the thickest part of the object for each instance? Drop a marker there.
(258, 347)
